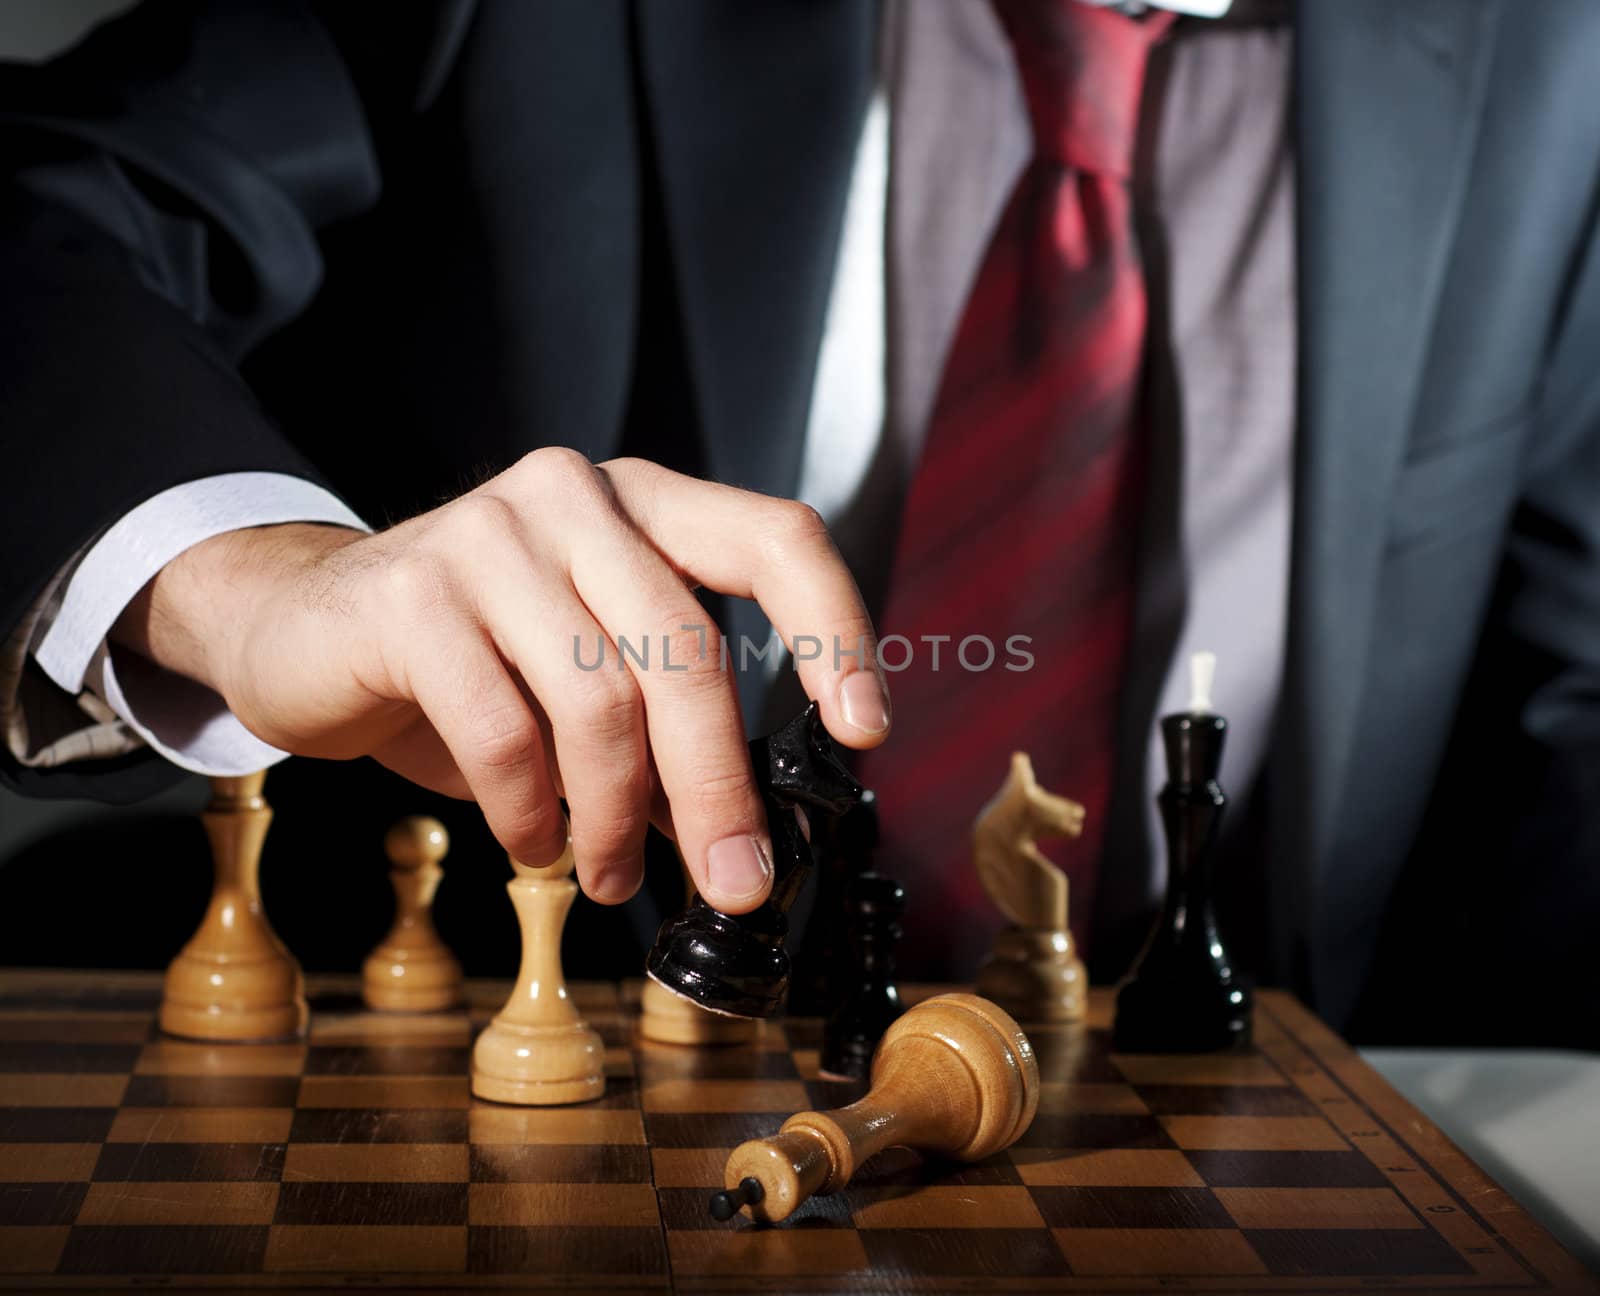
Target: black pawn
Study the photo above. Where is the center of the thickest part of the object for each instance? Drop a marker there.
(1183, 996)
(843, 846)
(871, 1003)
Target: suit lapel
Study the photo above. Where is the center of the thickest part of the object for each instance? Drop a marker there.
(755, 111)
(1389, 98)
(449, 21)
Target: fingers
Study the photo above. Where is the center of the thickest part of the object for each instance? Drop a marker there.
(596, 722)
(464, 688)
(565, 651)
(419, 754)
(661, 808)
(691, 711)
(779, 553)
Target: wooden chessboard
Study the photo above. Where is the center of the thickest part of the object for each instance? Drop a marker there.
(358, 1158)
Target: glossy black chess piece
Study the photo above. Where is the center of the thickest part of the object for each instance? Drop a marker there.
(843, 847)
(737, 964)
(1183, 995)
(871, 1002)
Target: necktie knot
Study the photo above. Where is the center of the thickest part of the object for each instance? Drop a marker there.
(1082, 69)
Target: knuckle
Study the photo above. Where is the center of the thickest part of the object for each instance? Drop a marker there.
(796, 528)
(484, 518)
(611, 804)
(554, 460)
(504, 741)
(606, 838)
(690, 644)
(560, 471)
(608, 709)
(535, 835)
(418, 581)
(724, 794)
(802, 524)
(857, 633)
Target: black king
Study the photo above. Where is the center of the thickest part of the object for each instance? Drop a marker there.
(1183, 996)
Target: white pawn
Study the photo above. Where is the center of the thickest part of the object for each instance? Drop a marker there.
(234, 980)
(538, 1051)
(412, 970)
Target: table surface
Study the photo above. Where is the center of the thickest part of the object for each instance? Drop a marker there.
(358, 1158)
(1527, 1116)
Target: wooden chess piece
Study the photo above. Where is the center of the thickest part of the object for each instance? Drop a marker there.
(1034, 971)
(234, 980)
(955, 1077)
(667, 1018)
(412, 970)
(538, 1051)
(1183, 996)
(871, 1002)
(737, 963)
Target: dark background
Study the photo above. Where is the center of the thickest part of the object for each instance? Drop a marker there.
(95, 886)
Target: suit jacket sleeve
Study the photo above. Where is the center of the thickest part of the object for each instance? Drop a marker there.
(1550, 591)
(1541, 664)
(164, 184)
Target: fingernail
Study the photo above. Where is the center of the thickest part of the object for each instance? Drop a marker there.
(737, 867)
(863, 703)
(615, 886)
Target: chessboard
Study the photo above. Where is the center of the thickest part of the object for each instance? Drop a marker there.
(358, 1158)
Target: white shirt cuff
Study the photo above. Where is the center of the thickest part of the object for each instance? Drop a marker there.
(186, 722)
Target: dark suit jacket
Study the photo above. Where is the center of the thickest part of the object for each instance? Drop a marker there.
(398, 252)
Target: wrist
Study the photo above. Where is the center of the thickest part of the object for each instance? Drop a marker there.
(198, 611)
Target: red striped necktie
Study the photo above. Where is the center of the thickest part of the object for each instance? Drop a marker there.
(1023, 514)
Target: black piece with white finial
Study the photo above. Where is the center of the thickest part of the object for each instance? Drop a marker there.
(1183, 995)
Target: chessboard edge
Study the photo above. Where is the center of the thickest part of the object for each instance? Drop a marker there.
(1523, 1235)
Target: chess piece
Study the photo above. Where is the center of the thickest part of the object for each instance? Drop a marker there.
(955, 1077)
(412, 970)
(1034, 971)
(667, 1018)
(871, 1003)
(843, 847)
(234, 980)
(538, 1051)
(737, 964)
(1183, 996)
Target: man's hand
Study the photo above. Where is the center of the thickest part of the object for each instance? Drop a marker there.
(459, 649)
